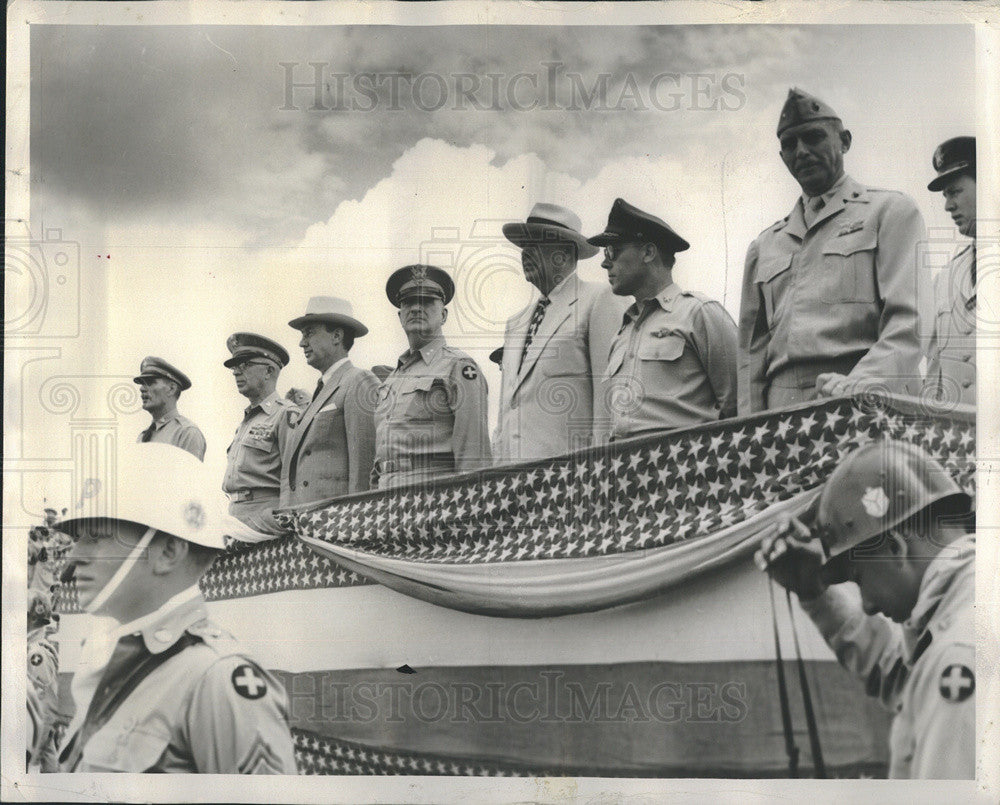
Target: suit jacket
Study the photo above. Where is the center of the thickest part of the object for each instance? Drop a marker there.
(330, 449)
(553, 403)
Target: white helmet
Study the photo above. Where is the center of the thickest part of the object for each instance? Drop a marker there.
(159, 486)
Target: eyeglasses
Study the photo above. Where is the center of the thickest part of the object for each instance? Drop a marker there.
(613, 251)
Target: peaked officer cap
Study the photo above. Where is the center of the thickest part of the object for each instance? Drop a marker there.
(952, 158)
(801, 107)
(246, 346)
(629, 223)
(153, 367)
(419, 280)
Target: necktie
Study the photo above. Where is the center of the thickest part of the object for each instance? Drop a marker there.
(812, 211)
(533, 325)
(319, 388)
(148, 433)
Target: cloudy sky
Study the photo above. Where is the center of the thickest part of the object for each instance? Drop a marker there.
(207, 198)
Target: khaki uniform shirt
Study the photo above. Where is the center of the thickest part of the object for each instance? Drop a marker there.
(951, 358)
(923, 670)
(431, 416)
(673, 363)
(177, 430)
(253, 469)
(836, 296)
(181, 696)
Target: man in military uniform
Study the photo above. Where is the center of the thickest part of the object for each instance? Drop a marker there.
(556, 348)
(331, 444)
(253, 460)
(829, 291)
(159, 687)
(431, 415)
(673, 362)
(891, 521)
(160, 386)
(951, 357)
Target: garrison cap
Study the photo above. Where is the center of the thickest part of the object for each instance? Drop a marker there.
(629, 223)
(952, 158)
(247, 346)
(419, 280)
(153, 367)
(801, 107)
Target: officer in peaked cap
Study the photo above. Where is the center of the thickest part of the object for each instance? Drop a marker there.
(951, 355)
(885, 568)
(159, 687)
(673, 362)
(253, 461)
(160, 386)
(431, 413)
(829, 291)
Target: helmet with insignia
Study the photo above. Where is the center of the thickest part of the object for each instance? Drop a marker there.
(158, 486)
(951, 159)
(152, 368)
(874, 489)
(250, 346)
(419, 280)
(801, 107)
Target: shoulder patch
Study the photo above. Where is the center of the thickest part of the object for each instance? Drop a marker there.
(248, 682)
(470, 372)
(957, 683)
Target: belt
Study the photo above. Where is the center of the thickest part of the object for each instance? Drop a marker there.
(418, 461)
(248, 495)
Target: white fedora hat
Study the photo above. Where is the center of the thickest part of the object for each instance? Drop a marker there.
(549, 223)
(330, 310)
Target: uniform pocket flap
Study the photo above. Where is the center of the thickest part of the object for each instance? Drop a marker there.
(423, 383)
(668, 348)
(768, 270)
(860, 241)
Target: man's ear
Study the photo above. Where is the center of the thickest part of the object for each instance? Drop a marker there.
(845, 141)
(444, 315)
(172, 552)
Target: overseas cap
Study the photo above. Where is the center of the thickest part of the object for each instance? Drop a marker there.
(626, 223)
(153, 367)
(246, 346)
(419, 280)
(801, 107)
(158, 486)
(952, 158)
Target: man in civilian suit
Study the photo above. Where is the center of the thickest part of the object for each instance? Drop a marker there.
(556, 349)
(330, 446)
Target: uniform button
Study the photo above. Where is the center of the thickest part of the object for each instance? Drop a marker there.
(966, 384)
(292, 487)
(305, 483)
(967, 356)
(513, 405)
(307, 453)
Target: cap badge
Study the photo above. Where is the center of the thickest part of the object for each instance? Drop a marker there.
(194, 514)
(419, 273)
(875, 502)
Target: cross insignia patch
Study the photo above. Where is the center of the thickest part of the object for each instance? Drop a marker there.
(248, 682)
(469, 372)
(957, 683)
